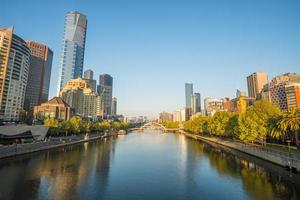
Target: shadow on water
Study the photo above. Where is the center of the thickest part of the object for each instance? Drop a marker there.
(260, 179)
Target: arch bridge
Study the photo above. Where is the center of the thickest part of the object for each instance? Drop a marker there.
(154, 126)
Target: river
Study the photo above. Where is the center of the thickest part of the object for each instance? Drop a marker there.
(150, 165)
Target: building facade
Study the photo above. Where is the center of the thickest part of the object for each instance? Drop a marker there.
(196, 103)
(278, 88)
(72, 57)
(88, 74)
(188, 95)
(14, 66)
(80, 97)
(55, 108)
(292, 92)
(114, 106)
(211, 106)
(165, 117)
(256, 83)
(105, 90)
(37, 90)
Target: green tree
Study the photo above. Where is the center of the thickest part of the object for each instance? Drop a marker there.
(75, 124)
(65, 126)
(170, 124)
(290, 122)
(53, 125)
(219, 123)
(254, 123)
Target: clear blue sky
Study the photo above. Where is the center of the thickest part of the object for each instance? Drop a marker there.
(152, 47)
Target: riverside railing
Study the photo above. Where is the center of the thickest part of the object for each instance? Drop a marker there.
(50, 142)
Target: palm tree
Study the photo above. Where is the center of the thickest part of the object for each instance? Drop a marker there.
(290, 122)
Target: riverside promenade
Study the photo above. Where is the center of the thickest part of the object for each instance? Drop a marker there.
(284, 159)
(50, 143)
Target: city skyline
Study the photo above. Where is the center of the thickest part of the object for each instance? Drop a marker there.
(207, 54)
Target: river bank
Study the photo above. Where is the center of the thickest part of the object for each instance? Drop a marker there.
(283, 159)
(54, 142)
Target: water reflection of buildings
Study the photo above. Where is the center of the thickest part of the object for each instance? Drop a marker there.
(59, 174)
(258, 182)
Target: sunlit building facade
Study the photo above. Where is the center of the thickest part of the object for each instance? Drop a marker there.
(78, 94)
(256, 83)
(278, 87)
(14, 69)
(72, 57)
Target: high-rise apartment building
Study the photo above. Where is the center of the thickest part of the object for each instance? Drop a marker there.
(78, 94)
(37, 90)
(196, 103)
(256, 83)
(188, 95)
(279, 88)
(14, 67)
(105, 90)
(114, 106)
(72, 57)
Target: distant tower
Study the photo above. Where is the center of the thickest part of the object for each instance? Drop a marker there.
(256, 83)
(105, 90)
(114, 106)
(196, 103)
(88, 74)
(188, 95)
(72, 57)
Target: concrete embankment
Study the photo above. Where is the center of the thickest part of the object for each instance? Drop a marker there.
(280, 158)
(19, 149)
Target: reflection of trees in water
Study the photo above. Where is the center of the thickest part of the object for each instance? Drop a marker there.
(58, 174)
(257, 181)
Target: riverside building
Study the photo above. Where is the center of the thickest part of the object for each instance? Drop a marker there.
(79, 95)
(14, 68)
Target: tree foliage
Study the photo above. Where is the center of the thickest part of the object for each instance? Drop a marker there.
(258, 122)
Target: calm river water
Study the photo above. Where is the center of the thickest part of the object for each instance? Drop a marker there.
(149, 165)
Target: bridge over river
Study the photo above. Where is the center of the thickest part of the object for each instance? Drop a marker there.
(156, 126)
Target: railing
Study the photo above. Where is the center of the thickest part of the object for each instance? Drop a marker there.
(51, 142)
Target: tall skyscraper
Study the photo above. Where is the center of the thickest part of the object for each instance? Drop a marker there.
(188, 95)
(256, 83)
(37, 90)
(114, 106)
(14, 67)
(105, 90)
(281, 89)
(196, 103)
(72, 57)
(88, 74)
